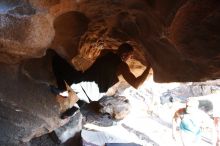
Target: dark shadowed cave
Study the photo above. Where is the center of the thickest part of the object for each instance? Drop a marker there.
(180, 39)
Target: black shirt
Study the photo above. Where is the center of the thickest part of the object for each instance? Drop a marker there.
(104, 71)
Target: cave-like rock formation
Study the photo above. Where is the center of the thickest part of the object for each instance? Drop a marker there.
(180, 39)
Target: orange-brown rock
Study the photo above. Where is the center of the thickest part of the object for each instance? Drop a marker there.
(179, 38)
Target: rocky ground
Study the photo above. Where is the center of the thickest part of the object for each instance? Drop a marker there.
(144, 127)
(147, 124)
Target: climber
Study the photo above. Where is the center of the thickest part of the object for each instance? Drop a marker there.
(104, 71)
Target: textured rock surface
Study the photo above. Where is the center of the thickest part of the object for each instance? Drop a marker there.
(92, 115)
(25, 31)
(195, 33)
(179, 38)
(28, 109)
(118, 107)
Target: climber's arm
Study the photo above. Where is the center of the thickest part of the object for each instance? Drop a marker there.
(130, 78)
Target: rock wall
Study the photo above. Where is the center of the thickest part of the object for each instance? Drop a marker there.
(179, 38)
(27, 107)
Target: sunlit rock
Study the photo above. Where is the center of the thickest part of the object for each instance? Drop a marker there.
(117, 107)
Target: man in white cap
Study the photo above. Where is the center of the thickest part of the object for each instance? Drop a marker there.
(191, 120)
(214, 98)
